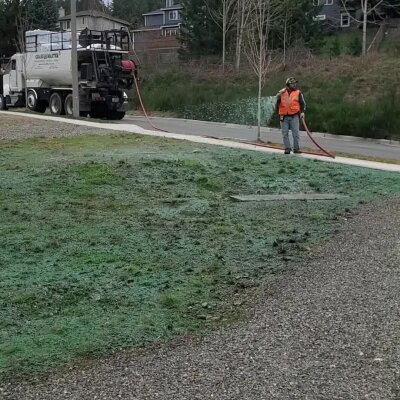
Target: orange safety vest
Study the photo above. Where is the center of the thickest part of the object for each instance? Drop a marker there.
(290, 103)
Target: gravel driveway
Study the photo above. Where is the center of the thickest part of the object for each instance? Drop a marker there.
(329, 330)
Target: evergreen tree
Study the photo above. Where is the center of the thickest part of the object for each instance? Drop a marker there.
(43, 14)
(335, 48)
(200, 35)
(5, 48)
(84, 5)
(300, 24)
(132, 10)
(9, 12)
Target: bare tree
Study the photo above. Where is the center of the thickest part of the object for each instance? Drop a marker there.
(243, 14)
(224, 17)
(287, 9)
(368, 7)
(285, 6)
(263, 12)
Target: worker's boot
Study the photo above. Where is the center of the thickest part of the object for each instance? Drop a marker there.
(287, 151)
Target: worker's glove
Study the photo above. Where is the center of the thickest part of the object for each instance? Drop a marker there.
(302, 115)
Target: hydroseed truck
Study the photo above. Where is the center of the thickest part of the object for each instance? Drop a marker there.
(42, 76)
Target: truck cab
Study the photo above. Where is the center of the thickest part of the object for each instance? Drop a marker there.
(13, 83)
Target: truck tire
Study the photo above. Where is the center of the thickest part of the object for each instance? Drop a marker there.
(56, 104)
(32, 100)
(68, 105)
(33, 103)
(3, 105)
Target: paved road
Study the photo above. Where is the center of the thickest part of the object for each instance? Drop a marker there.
(385, 150)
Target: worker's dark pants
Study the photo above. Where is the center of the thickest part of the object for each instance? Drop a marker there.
(292, 123)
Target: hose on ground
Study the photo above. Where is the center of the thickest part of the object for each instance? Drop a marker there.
(143, 107)
(303, 120)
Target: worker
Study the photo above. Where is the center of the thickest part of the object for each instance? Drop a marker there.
(291, 108)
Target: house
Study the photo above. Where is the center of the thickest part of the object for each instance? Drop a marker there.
(91, 19)
(333, 15)
(158, 38)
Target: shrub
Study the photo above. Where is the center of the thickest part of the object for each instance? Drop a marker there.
(335, 48)
(355, 46)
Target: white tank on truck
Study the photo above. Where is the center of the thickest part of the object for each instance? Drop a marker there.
(48, 57)
(41, 77)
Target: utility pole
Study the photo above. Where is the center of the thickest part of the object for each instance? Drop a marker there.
(74, 61)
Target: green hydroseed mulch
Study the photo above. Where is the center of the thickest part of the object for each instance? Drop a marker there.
(109, 242)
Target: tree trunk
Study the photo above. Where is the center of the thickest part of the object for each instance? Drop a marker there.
(259, 108)
(224, 29)
(365, 19)
(284, 40)
(223, 47)
(240, 29)
(260, 76)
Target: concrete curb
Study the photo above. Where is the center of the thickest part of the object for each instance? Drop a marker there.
(199, 139)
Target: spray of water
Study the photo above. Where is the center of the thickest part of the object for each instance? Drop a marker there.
(243, 112)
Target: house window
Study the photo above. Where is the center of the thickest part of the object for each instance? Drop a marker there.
(328, 2)
(83, 20)
(66, 25)
(173, 15)
(169, 3)
(320, 17)
(344, 20)
(14, 65)
(316, 2)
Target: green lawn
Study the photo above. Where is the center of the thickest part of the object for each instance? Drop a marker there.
(109, 242)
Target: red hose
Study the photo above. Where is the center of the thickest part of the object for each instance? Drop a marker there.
(143, 108)
(314, 141)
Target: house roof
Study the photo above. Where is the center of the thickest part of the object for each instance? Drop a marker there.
(175, 7)
(162, 10)
(158, 28)
(97, 14)
(155, 12)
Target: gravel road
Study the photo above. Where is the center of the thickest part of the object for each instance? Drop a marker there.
(329, 330)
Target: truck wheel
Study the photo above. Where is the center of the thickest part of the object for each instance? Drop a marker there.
(34, 104)
(116, 115)
(32, 100)
(68, 105)
(3, 105)
(56, 104)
